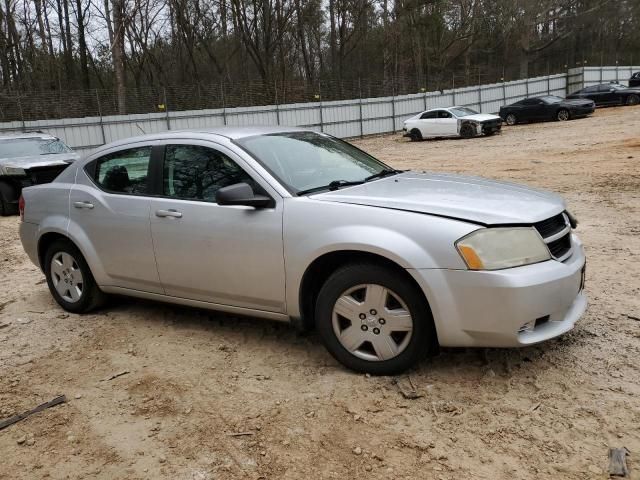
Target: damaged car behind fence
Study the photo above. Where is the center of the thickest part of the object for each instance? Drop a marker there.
(451, 122)
(28, 159)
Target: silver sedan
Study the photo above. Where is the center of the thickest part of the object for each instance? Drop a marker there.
(298, 226)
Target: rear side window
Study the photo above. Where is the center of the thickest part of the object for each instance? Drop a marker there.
(194, 172)
(428, 115)
(126, 171)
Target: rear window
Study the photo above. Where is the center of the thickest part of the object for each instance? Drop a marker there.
(29, 147)
(126, 171)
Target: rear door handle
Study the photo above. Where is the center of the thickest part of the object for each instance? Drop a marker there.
(168, 213)
(88, 205)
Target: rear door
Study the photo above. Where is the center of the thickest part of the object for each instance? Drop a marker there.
(427, 124)
(109, 205)
(229, 255)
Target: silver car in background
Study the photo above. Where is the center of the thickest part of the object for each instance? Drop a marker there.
(298, 226)
(29, 158)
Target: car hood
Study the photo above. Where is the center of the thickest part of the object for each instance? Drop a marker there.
(576, 102)
(475, 199)
(480, 117)
(38, 161)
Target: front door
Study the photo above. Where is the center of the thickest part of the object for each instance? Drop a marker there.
(228, 255)
(446, 124)
(110, 206)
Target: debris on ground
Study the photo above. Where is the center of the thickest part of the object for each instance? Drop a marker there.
(21, 416)
(618, 462)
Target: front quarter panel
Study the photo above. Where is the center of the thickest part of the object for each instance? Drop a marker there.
(313, 228)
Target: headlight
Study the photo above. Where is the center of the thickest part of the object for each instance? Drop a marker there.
(12, 171)
(496, 248)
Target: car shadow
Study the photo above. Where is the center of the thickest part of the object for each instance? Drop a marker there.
(305, 347)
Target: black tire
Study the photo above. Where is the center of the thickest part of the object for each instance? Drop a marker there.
(423, 335)
(563, 115)
(91, 297)
(467, 131)
(415, 135)
(511, 119)
(8, 206)
(633, 99)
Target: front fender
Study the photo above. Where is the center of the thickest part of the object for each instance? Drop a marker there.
(411, 240)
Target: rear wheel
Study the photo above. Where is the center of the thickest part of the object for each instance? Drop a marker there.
(69, 279)
(415, 135)
(563, 115)
(374, 320)
(633, 99)
(511, 119)
(8, 205)
(467, 131)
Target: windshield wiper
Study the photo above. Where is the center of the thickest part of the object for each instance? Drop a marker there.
(334, 185)
(382, 173)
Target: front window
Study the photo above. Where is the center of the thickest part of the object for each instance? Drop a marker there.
(463, 111)
(551, 99)
(194, 172)
(28, 147)
(305, 161)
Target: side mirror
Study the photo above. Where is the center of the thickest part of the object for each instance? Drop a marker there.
(242, 194)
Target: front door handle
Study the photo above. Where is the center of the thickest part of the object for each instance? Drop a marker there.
(88, 205)
(168, 213)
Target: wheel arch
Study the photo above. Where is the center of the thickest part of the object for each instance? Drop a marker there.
(319, 270)
(45, 241)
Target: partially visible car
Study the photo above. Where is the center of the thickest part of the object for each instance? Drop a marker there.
(451, 122)
(28, 159)
(546, 107)
(634, 81)
(609, 94)
(298, 226)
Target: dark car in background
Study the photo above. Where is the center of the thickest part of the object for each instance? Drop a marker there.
(609, 94)
(545, 107)
(634, 81)
(29, 159)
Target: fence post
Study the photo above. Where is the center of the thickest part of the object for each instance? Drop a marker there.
(453, 88)
(166, 108)
(104, 138)
(320, 95)
(360, 107)
(480, 97)
(275, 86)
(504, 91)
(393, 108)
(548, 84)
(224, 108)
(425, 98)
(526, 86)
(24, 126)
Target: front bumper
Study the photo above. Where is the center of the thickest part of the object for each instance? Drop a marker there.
(506, 308)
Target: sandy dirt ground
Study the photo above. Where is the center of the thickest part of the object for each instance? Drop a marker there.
(197, 379)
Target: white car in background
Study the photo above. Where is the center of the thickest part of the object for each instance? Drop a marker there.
(451, 122)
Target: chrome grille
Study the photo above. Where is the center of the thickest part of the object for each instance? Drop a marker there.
(556, 233)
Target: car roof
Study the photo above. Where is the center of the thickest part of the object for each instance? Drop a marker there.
(19, 135)
(229, 132)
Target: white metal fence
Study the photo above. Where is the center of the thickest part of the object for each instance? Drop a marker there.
(342, 118)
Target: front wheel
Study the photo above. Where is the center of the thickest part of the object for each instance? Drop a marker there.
(69, 278)
(467, 131)
(374, 320)
(563, 115)
(633, 99)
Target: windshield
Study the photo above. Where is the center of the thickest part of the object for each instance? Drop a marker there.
(27, 147)
(462, 111)
(549, 99)
(307, 160)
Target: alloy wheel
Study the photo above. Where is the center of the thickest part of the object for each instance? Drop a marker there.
(67, 277)
(372, 322)
(563, 115)
(511, 119)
